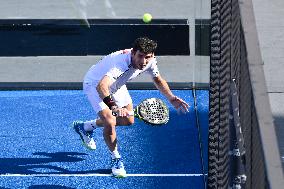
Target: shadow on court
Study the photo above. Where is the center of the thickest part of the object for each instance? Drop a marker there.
(35, 165)
(49, 187)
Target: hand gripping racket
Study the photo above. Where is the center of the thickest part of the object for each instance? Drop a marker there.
(152, 111)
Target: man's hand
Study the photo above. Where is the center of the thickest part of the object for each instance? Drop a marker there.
(179, 104)
(120, 112)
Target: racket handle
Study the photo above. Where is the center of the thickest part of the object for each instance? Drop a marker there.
(130, 113)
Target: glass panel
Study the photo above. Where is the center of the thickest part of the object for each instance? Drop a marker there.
(193, 68)
(70, 66)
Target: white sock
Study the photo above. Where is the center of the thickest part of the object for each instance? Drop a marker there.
(90, 125)
(115, 154)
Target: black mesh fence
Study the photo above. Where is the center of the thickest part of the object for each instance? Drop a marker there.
(229, 164)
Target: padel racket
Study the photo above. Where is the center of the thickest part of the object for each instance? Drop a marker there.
(152, 111)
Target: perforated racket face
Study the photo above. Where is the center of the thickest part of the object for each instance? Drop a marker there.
(154, 111)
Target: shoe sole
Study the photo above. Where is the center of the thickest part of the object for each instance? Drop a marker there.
(119, 176)
(84, 144)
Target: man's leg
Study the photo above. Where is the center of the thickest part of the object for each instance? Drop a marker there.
(85, 129)
(110, 122)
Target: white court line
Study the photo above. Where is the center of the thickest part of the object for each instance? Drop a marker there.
(99, 175)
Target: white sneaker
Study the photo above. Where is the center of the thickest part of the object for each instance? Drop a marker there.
(117, 168)
(86, 136)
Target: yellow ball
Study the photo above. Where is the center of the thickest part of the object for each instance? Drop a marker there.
(147, 18)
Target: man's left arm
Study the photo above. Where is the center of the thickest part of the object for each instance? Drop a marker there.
(164, 88)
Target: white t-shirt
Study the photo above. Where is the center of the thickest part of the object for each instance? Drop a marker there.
(117, 66)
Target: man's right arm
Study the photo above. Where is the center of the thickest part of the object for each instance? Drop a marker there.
(103, 86)
(104, 92)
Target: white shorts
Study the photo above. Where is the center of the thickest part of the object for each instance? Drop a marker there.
(121, 97)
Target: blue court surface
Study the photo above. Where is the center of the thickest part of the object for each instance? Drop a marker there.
(39, 149)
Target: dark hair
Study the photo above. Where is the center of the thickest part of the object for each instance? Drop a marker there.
(144, 45)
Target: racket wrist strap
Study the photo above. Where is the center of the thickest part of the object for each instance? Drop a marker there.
(110, 102)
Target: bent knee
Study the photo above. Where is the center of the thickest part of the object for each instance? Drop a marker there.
(108, 120)
(110, 123)
(130, 121)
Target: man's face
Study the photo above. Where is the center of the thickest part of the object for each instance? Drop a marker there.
(140, 60)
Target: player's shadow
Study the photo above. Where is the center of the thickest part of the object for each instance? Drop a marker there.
(39, 165)
(49, 187)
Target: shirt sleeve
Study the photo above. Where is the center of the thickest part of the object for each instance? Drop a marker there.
(153, 70)
(114, 73)
(115, 64)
